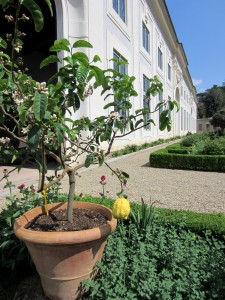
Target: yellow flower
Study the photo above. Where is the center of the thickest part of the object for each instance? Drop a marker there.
(121, 208)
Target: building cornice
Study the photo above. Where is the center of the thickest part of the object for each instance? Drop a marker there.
(167, 28)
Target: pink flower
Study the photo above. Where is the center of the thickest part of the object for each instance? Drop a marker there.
(32, 189)
(103, 178)
(21, 187)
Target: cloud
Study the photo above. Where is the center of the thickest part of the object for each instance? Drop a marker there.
(197, 81)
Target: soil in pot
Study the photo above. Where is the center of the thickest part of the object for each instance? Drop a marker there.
(57, 221)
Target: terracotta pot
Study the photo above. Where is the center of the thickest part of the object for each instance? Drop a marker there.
(64, 259)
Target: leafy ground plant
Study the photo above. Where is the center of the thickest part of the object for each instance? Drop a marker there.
(166, 262)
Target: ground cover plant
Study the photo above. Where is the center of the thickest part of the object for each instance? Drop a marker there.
(204, 151)
(163, 262)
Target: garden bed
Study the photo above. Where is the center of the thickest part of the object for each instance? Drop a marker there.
(179, 255)
(203, 152)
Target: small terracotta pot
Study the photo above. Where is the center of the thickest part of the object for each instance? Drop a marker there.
(64, 259)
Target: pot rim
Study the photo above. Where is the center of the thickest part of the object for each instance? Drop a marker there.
(64, 237)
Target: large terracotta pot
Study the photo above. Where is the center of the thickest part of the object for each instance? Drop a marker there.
(64, 259)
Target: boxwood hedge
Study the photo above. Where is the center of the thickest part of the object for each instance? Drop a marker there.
(164, 159)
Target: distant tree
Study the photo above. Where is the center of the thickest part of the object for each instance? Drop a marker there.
(201, 110)
(218, 119)
(214, 101)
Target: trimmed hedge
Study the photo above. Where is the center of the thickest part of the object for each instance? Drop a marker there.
(198, 222)
(180, 151)
(163, 159)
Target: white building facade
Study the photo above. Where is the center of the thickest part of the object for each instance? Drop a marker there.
(141, 32)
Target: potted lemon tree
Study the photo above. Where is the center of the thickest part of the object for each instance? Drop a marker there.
(63, 243)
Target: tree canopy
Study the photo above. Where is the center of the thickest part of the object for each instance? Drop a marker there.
(218, 119)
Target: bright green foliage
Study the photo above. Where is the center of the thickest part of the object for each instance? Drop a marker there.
(166, 262)
(143, 217)
(192, 139)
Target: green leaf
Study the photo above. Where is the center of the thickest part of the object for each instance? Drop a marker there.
(110, 104)
(47, 115)
(73, 100)
(138, 122)
(163, 124)
(49, 6)
(40, 105)
(59, 130)
(101, 159)
(98, 74)
(60, 45)
(163, 115)
(36, 13)
(23, 109)
(82, 44)
(3, 43)
(125, 175)
(82, 73)
(49, 60)
(169, 125)
(34, 136)
(3, 84)
(4, 3)
(89, 159)
(81, 57)
(96, 58)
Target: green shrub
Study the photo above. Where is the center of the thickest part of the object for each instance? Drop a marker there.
(212, 148)
(167, 262)
(190, 140)
(163, 159)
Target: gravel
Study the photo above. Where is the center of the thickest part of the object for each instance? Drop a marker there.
(176, 189)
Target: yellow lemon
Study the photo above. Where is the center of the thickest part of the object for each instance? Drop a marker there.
(121, 208)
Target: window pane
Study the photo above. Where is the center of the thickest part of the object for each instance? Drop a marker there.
(123, 70)
(169, 72)
(115, 5)
(122, 10)
(145, 37)
(160, 59)
(120, 7)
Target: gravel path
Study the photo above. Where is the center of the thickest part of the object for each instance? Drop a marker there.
(176, 189)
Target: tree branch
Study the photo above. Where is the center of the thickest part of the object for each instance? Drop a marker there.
(8, 115)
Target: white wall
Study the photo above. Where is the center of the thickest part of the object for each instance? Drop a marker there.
(99, 23)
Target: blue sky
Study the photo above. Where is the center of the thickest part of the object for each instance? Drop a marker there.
(200, 27)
